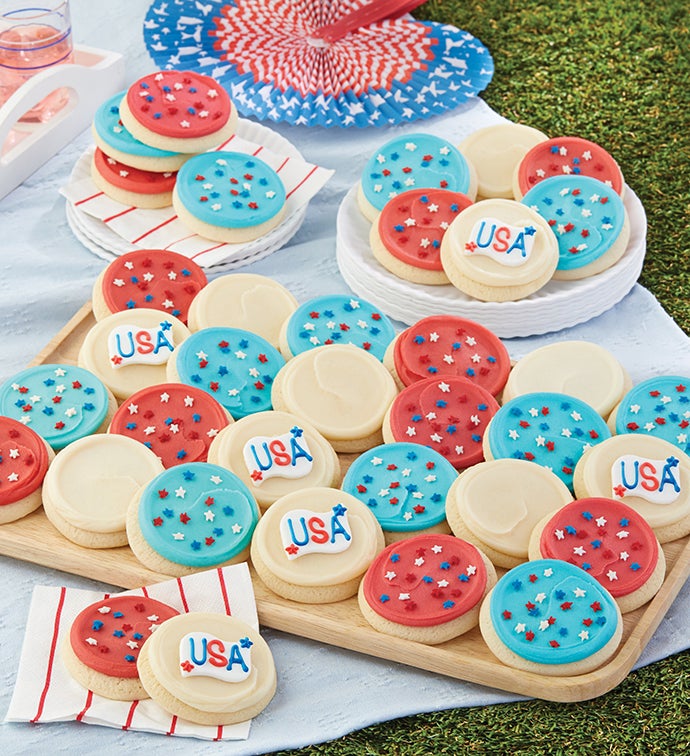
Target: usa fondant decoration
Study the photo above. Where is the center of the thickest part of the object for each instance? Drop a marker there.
(285, 456)
(506, 244)
(134, 345)
(303, 532)
(655, 480)
(205, 655)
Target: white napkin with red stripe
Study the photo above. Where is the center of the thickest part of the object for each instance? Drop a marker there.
(46, 692)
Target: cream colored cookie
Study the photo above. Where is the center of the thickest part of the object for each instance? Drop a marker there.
(578, 368)
(243, 300)
(212, 669)
(648, 474)
(495, 505)
(499, 250)
(343, 391)
(314, 545)
(89, 485)
(275, 453)
(129, 350)
(496, 151)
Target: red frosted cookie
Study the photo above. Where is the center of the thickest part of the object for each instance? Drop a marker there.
(564, 156)
(180, 111)
(610, 541)
(177, 422)
(133, 187)
(153, 278)
(443, 345)
(104, 642)
(24, 460)
(406, 237)
(427, 588)
(448, 414)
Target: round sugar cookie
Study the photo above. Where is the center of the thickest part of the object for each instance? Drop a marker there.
(229, 196)
(236, 367)
(24, 460)
(105, 641)
(405, 486)
(611, 542)
(114, 140)
(336, 319)
(181, 111)
(129, 350)
(212, 669)
(191, 517)
(406, 236)
(275, 453)
(441, 345)
(314, 545)
(498, 250)
(243, 300)
(131, 186)
(552, 618)
(427, 589)
(89, 485)
(566, 156)
(496, 151)
(413, 161)
(60, 402)
(648, 474)
(496, 505)
(153, 278)
(177, 422)
(553, 430)
(588, 219)
(449, 414)
(582, 369)
(343, 391)
(658, 407)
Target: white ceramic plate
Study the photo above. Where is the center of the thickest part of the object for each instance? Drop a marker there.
(559, 304)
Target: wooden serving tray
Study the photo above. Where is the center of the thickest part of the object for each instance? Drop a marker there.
(34, 539)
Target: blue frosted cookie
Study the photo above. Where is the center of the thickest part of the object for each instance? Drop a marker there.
(404, 485)
(553, 430)
(336, 319)
(589, 220)
(61, 403)
(236, 367)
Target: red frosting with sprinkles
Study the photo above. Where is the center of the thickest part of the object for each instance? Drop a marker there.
(425, 580)
(412, 224)
(132, 179)
(563, 156)
(179, 104)
(153, 278)
(607, 539)
(177, 422)
(448, 345)
(23, 460)
(446, 413)
(108, 635)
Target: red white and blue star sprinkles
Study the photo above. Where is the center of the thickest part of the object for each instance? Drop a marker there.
(658, 407)
(197, 514)
(236, 367)
(553, 430)
(23, 461)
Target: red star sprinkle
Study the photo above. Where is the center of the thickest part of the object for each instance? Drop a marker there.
(258, 385)
(157, 521)
(595, 607)
(507, 614)
(262, 358)
(566, 605)
(314, 315)
(162, 494)
(57, 399)
(361, 488)
(419, 508)
(529, 635)
(210, 541)
(292, 549)
(210, 500)
(187, 666)
(554, 644)
(533, 578)
(344, 327)
(257, 475)
(184, 518)
(76, 385)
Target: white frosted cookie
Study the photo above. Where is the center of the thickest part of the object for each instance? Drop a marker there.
(243, 300)
(499, 250)
(89, 485)
(495, 505)
(212, 669)
(275, 453)
(342, 390)
(648, 474)
(495, 151)
(129, 350)
(315, 544)
(579, 368)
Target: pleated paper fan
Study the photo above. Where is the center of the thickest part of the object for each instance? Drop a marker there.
(286, 60)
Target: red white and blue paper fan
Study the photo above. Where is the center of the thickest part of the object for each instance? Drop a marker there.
(287, 60)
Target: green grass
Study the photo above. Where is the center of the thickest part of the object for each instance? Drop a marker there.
(616, 72)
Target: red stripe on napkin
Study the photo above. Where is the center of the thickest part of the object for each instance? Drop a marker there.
(155, 228)
(130, 715)
(223, 590)
(87, 199)
(183, 598)
(303, 181)
(119, 215)
(173, 725)
(87, 706)
(51, 656)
